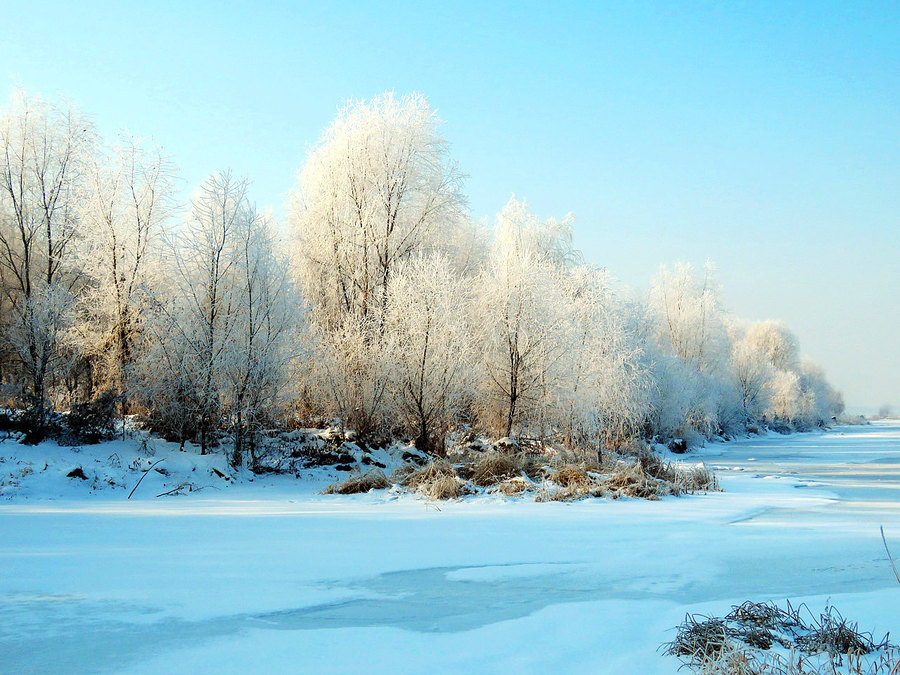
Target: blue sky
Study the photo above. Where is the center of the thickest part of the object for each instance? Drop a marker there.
(765, 136)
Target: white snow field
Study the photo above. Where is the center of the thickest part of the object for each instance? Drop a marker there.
(271, 577)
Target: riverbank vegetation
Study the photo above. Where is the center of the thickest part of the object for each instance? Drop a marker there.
(379, 308)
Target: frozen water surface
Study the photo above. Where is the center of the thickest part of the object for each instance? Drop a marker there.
(279, 581)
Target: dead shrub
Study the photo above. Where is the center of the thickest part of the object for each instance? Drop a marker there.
(371, 480)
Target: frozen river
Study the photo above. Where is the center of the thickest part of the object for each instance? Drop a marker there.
(279, 581)
(859, 466)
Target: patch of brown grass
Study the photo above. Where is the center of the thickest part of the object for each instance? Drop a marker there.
(643, 475)
(571, 482)
(553, 493)
(513, 486)
(496, 467)
(763, 615)
(371, 480)
(430, 472)
(630, 480)
(649, 476)
(573, 476)
(444, 487)
(437, 480)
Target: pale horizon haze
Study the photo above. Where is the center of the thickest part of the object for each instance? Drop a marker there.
(761, 136)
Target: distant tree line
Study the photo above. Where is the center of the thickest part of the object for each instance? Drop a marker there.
(386, 310)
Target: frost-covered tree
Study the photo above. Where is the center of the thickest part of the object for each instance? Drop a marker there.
(777, 384)
(258, 349)
(349, 376)
(378, 188)
(130, 196)
(752, 371)
(523, 323)
(687, 321)
(604, 385)
(199, 311)
(42, 157)
(785, 399)
(430, 343)
(687, 315)
(819, 402)
(776, 342)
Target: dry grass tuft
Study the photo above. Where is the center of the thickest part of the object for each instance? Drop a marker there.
(571, 482)
(444, 487)
(630, 480)
(833, 634)
(400, 475)
(437, 480)
(701, 637)
(655, 466)
(645, 476)
(732, 659)
(513, 486)
(764, 615)
(554, 493)
(697, 479)
(574, 476)
(435, 469)
(496, 467)
(371, 480)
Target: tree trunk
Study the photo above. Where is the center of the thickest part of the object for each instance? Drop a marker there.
(238, 452)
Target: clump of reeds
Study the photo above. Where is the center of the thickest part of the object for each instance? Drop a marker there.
(742, 642)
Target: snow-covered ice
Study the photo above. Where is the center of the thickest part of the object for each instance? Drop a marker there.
(270, 576)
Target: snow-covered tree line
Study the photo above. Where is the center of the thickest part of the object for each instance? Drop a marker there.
(107, 287)
(385, 310)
